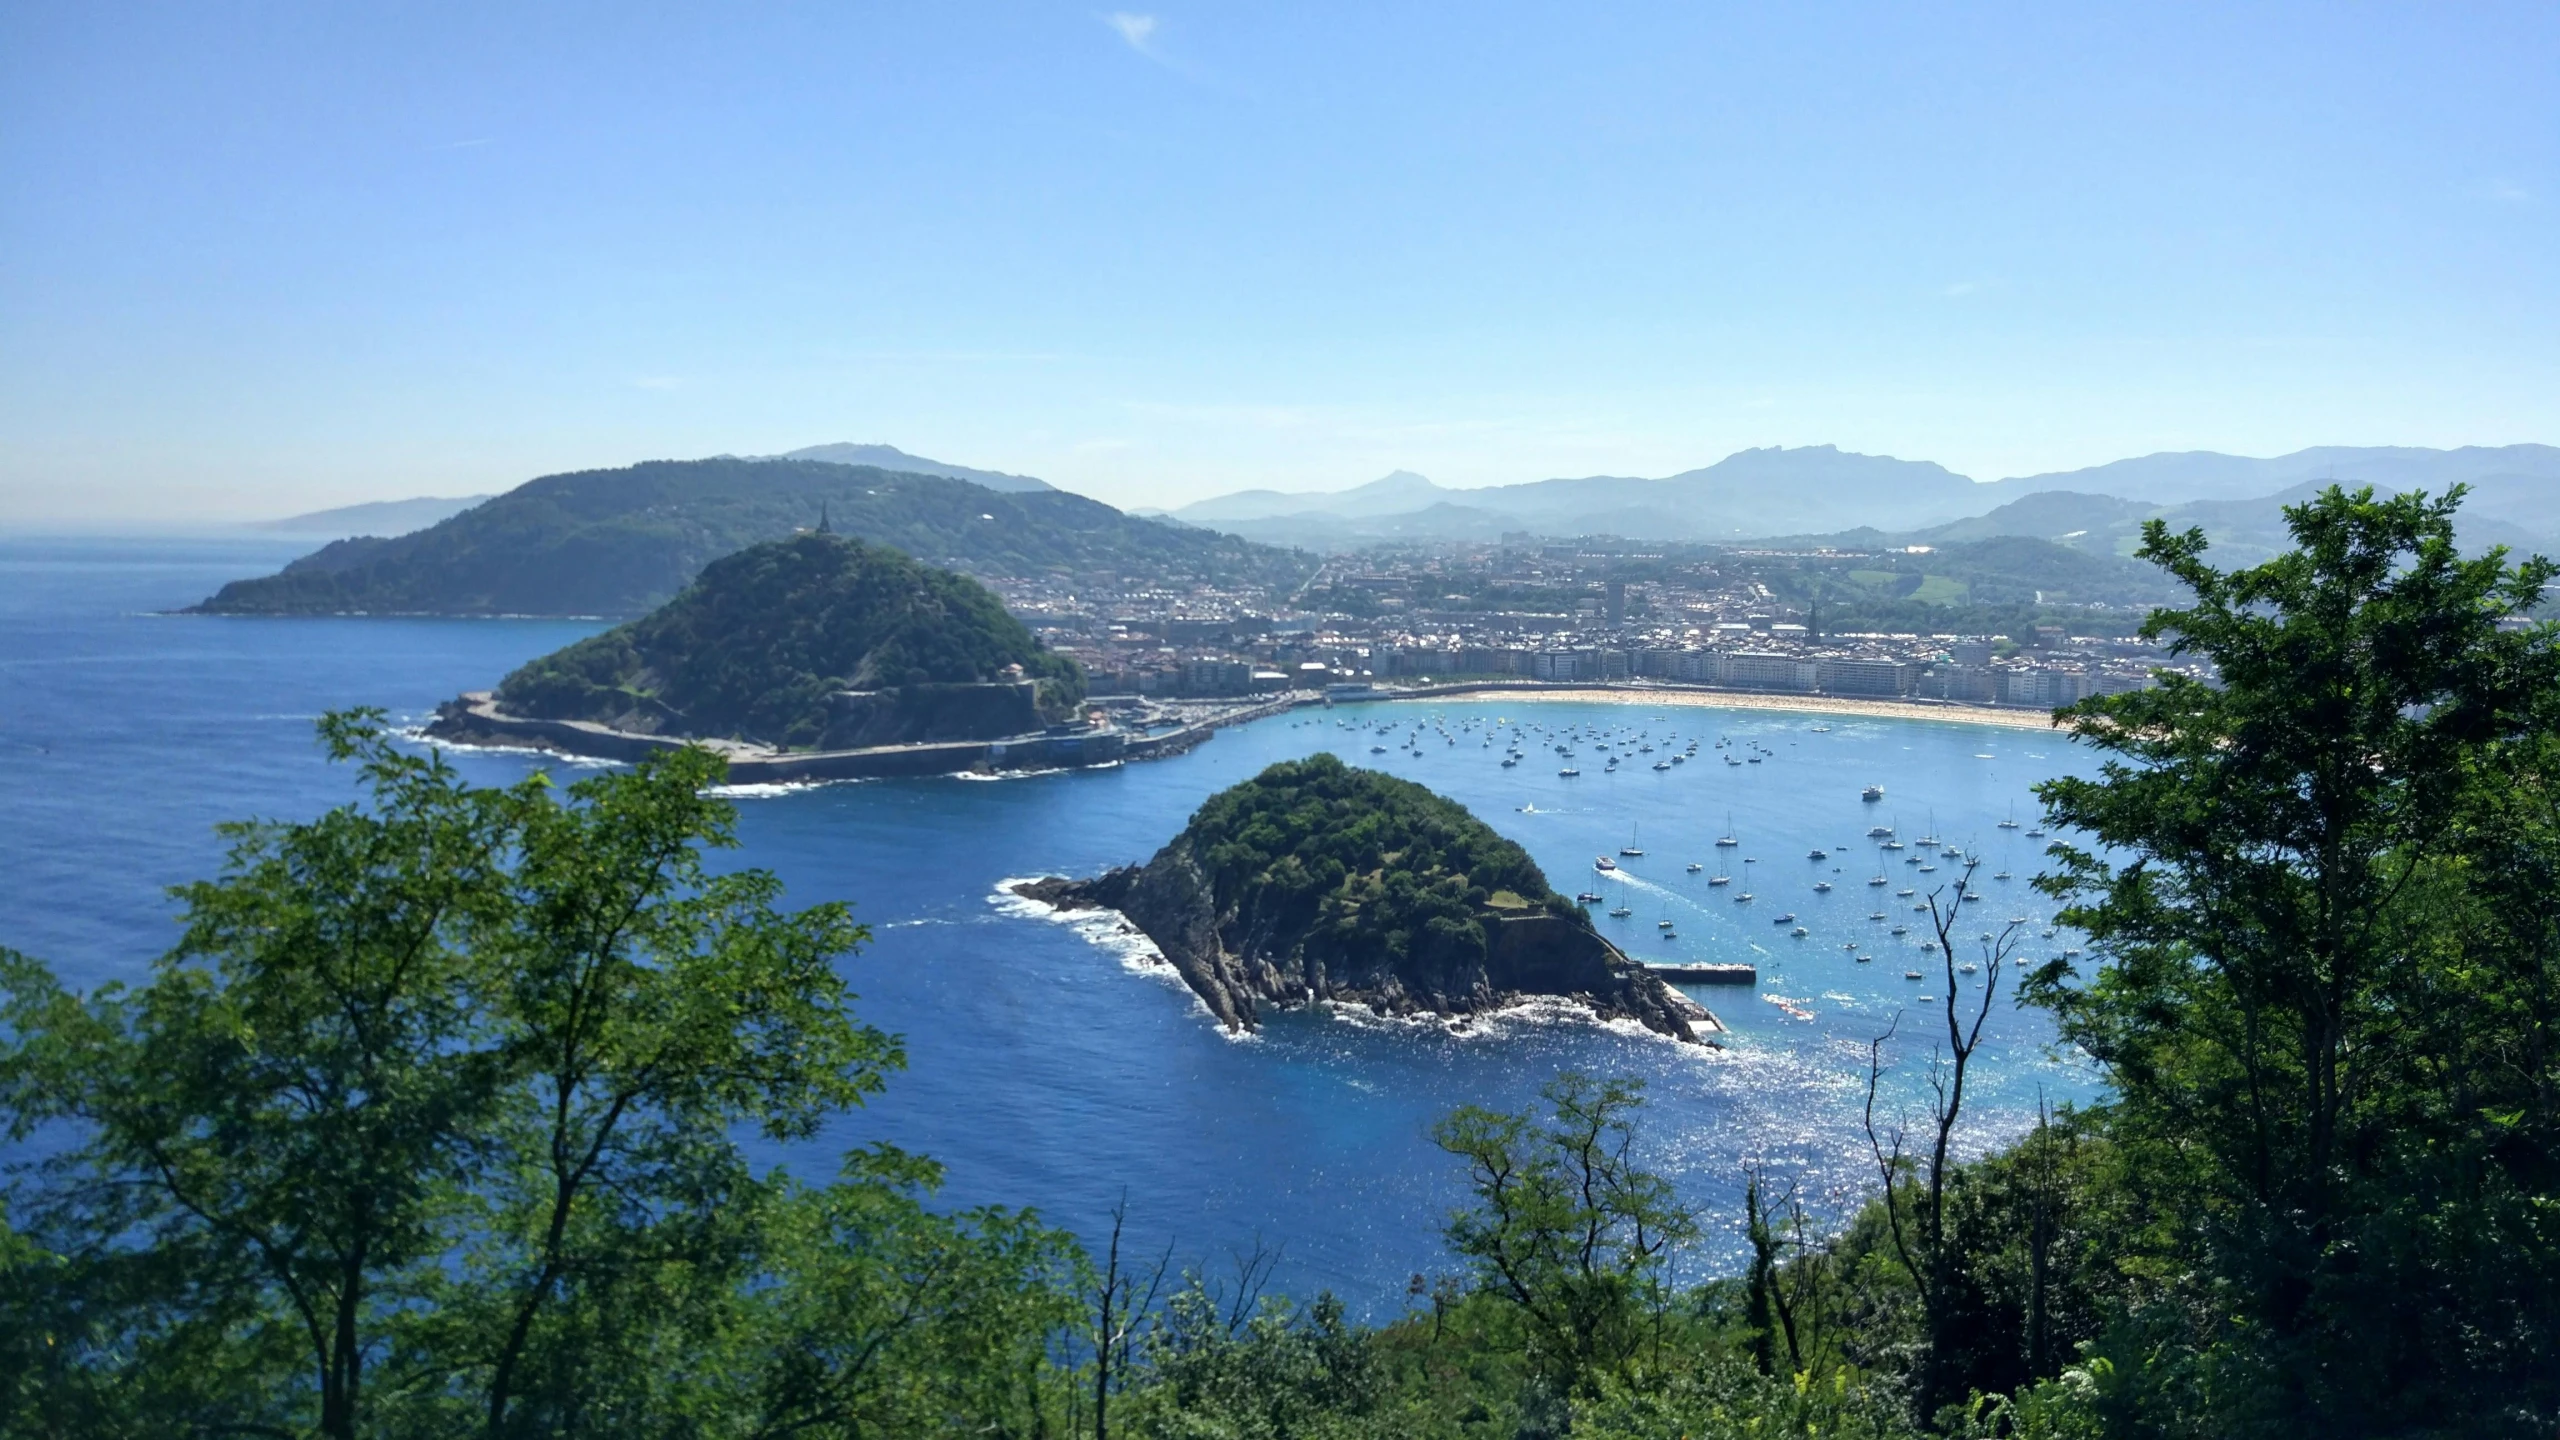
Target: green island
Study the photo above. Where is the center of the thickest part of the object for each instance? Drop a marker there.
(430, 1124)
(614, 543)
(817, 640)
(1315, 882)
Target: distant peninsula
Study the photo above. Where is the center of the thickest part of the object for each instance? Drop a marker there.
(1316, 882)
(615, 543)
(818, 641)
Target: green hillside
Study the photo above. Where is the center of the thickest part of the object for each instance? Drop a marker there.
(1361, 862)
(616, 542)
(757, 645)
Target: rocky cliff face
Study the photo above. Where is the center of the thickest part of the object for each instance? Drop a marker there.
(1238, 958)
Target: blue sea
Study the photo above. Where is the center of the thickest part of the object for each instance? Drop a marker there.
(1048, 1065)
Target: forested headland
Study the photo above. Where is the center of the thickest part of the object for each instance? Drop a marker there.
(758, 644)
(429, 1125)
(615, 543)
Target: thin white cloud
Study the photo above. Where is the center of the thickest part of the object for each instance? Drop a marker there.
(1138, 30)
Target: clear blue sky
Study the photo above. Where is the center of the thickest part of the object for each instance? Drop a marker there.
(256, 258)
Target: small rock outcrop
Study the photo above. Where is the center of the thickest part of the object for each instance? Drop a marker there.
(1315, 882)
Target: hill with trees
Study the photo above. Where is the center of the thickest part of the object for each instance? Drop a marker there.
(1315, 881)
(761, 645)
(614, 543)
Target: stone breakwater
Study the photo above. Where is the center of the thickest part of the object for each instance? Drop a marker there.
(475, 718)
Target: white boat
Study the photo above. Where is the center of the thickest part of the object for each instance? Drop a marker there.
(1872, 794)
(1568, 772)
(1603, 862)
(1821, 887)
(1787, 919)
(1695, 867)
(1726, 839)
(1910, 974)
(1619, 912)
(1630, 847)
(1719, 879)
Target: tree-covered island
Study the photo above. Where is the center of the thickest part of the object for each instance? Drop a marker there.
(818, 640)
(1316, 882)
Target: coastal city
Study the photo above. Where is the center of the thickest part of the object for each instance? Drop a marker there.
(1540, 611)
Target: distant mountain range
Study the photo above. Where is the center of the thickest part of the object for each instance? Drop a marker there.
(375, 517)
(890, 457)
(1820, 491)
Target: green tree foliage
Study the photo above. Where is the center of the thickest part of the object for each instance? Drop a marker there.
(1363, 863)
(2321, 891)
(617, 542)
(429, 1125)
(758, 643)
(1567, 1232)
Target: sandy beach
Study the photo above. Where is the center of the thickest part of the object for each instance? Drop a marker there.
(1745, 700)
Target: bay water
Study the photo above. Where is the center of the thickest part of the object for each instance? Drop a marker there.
(1048, 1064)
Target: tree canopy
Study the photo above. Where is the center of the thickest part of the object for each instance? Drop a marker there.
(1362, 862)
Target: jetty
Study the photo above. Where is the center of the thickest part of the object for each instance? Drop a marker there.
(1707, 974)
(475, 718)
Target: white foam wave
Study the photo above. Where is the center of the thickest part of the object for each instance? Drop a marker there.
(773, 789)
(1110, 932)
(417, 735)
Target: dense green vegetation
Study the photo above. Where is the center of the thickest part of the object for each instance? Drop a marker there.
(616, 542)
(427, 1125)
(1363, 863)
(2004, 585)
(757, 644)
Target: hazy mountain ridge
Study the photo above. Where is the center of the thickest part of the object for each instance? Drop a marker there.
(890, 457)
(374, 517)
(1822, 491)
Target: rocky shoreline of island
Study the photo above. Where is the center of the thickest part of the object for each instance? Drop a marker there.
(1398, 902)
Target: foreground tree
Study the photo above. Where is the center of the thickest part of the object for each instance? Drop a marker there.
(2324, 999)
(1567, 1231)
(429, 1124)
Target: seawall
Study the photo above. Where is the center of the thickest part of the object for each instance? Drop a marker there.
(475, 718)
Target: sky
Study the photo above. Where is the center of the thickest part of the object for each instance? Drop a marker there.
(260, 258)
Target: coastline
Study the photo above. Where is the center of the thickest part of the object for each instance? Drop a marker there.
(1745, 700)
